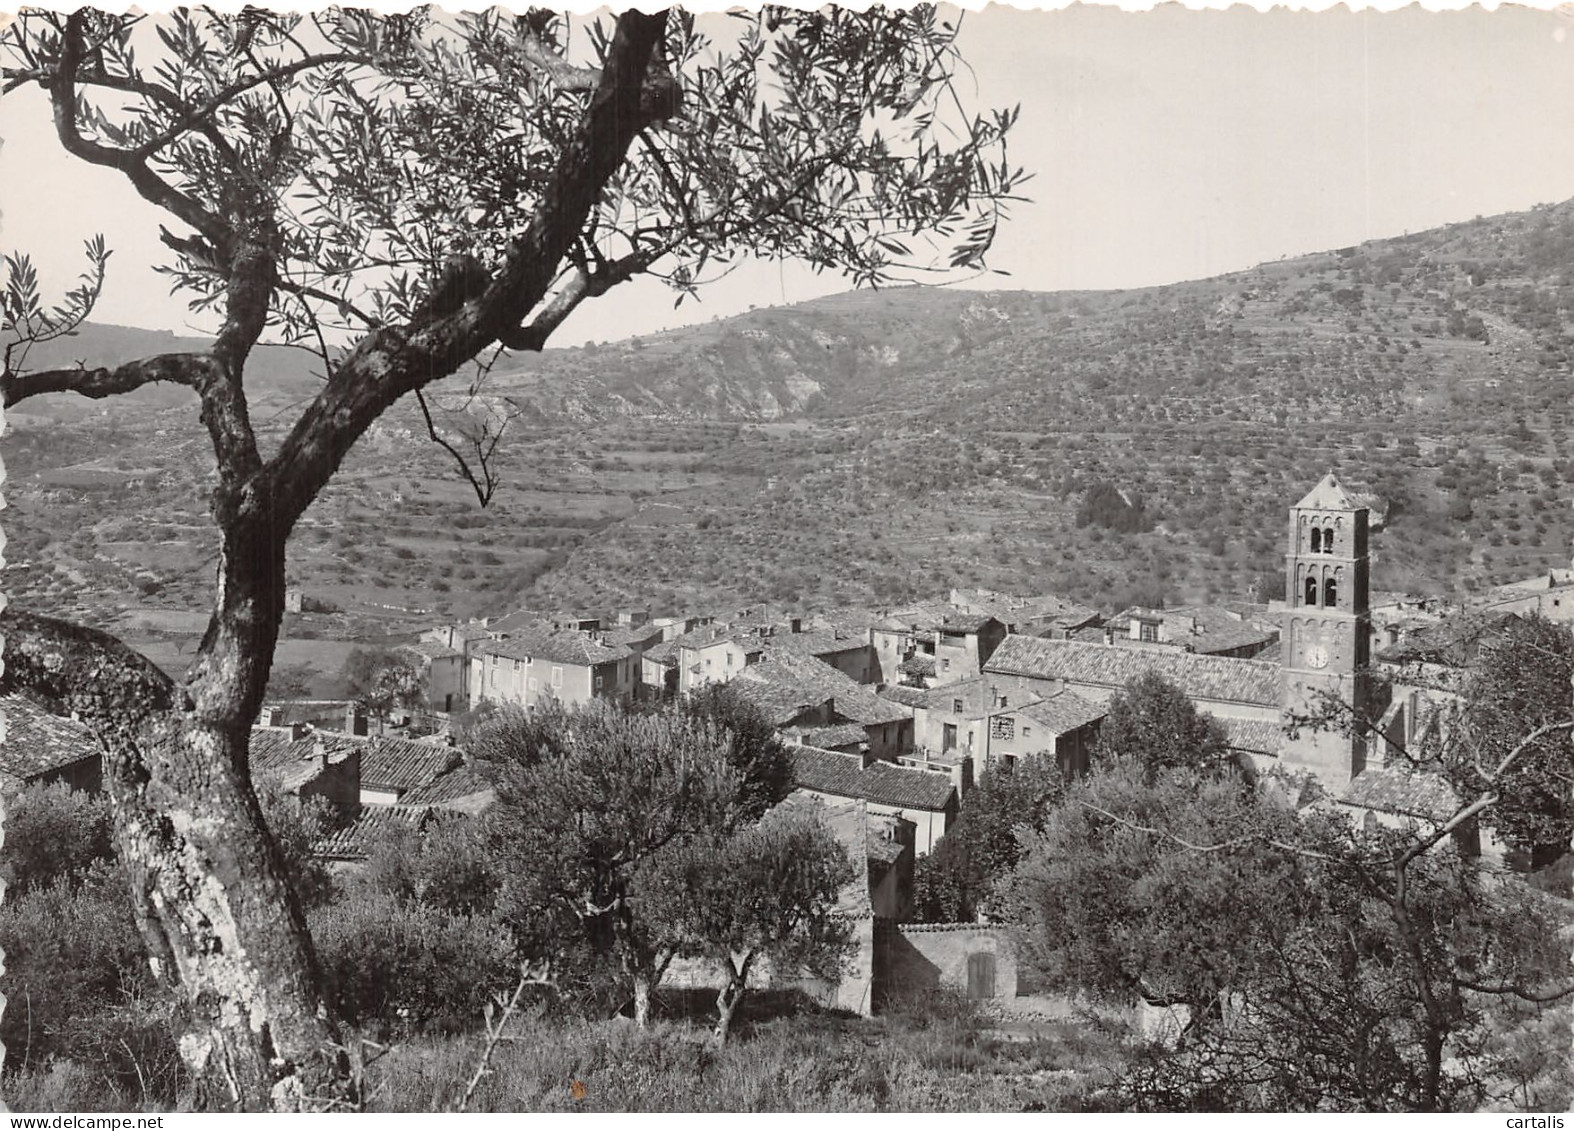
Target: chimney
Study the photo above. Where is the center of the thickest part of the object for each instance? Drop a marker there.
(298, 731)
(265, 717)
(321, 754)
(1109, 634)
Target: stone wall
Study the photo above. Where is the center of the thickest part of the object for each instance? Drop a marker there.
(974, 959)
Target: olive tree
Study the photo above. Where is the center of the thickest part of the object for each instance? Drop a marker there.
(410, 193)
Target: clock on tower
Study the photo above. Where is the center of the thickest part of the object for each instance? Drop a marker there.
(1326, 638)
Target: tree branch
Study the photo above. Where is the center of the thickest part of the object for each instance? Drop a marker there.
(389, 362)
(187, 369)
(85, 672)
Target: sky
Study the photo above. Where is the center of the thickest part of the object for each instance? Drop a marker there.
(1164, 145)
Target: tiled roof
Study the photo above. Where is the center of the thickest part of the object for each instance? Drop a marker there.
(1199, 677)
(431, 650)
(565, 646)
(884, 783)
(292, 762)
(1009, 608)
(1453, 642)
(1327, 495)
(828, 738)
(664, 653)
(889, 784)
(918, 664)
(37, 743)
(826, 771)
(400, 763)
(906, 696)
(457, 784)
(1404, 792)
(355, 840)
(932, 617)
(1064, 712)
(779, 703)
(1255, 736)
(857, 702)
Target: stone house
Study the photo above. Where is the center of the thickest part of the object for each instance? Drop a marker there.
(881, 848)
(786, 675)
(443, 679)
(716, 653)
(1211, 630)
(39, 748)
(567, 665)
(928, 798)
(933, 645)
(308, 763)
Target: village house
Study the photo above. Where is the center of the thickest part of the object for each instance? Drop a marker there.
(443, 679)
(1044, 615)
(1549, 595)
(342, 715)
(570, 666)
(38, 748)
(716, 653)
(932, 645)
(881, 892)
(926, 797)
(781, 678)
(1209, 630)
(980, 721)
(307, 763)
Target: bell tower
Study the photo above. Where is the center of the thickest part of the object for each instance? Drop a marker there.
(1326, 646)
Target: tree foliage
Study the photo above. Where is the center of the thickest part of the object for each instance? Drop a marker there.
(383, 681)
(585, 797)
(1519, 697)
(1153, 720)
(765, 894)
(1324, 967)
(955, 882)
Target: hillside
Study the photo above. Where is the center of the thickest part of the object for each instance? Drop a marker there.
(873, 445)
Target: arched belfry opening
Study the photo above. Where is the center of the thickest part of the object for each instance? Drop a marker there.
(1317, 540)
(1330, 594)
(1310, 595)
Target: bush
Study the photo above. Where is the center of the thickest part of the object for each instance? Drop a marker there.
(52, 832)
(408, 967)
(79, 984)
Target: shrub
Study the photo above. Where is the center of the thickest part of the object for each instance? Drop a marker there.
(52, 832)
(409, 967)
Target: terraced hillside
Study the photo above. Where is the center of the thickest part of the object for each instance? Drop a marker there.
(874, 445)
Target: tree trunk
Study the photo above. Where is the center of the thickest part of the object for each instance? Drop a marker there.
(730, 997)
(641, 1000)
(207, 880)
(220, 918)
(727, 1002)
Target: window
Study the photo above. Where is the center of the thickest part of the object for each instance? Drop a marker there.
(1003, 702)
(1311, 592)
(599, 682)
(1317, 540)
(1330, 594)
(729, 659)
(956, 706)
(1027, 731)
(945, 664)
(948, 738)
(557, 676)
(1328, 541)
(534, 686)
(1149, 632)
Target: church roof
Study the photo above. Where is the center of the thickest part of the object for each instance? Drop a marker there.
(1328, 495)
